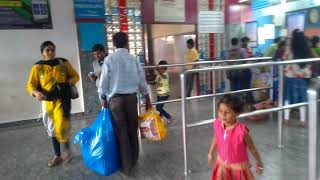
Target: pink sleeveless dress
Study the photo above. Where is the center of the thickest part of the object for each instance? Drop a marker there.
(232, 162)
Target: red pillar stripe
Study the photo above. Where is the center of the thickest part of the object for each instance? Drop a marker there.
(211, 46)
(210, 4)
(197, 74)
(211, 55)
(123, 15)
(122, 3)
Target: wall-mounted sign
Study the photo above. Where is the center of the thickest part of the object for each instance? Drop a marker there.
(270, 31)
(169, 10)
(252, 33)
(261, 35)
(266, 32)
(211, 22)
(25, 14)
(87, 9)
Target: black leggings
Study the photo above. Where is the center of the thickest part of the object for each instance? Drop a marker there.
(56, 146)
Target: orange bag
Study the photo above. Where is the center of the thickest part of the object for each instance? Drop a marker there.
(152, 126)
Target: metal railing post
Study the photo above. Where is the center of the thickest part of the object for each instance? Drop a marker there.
(214, 92)
(313, 134)
(280, 104)
(183, 109)
(271, 92)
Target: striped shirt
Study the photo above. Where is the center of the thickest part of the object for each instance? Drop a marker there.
(122, 74)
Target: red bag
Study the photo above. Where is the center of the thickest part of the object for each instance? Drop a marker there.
(261, 105)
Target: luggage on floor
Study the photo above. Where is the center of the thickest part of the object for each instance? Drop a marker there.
(152, 126)
(98, 145)
(261, 105)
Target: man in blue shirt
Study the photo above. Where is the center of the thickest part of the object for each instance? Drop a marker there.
(121, 79)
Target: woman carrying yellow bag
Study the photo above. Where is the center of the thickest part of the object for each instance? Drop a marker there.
(152, 126)
(50, 82)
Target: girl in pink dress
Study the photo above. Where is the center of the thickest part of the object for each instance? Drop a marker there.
(231, 139)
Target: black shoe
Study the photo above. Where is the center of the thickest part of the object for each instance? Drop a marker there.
(127, 174)
(124, 174)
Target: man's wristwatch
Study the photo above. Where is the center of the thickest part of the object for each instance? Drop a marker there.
(103, 97)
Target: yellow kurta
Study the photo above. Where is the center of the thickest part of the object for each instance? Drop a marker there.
(43, 77)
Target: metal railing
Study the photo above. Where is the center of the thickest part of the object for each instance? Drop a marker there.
(313, 95)
(231, 67)
(202, 63)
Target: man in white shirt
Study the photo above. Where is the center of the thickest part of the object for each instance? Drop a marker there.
(121, 79)
(99, 54)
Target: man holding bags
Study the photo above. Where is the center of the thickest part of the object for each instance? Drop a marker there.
(121, 79)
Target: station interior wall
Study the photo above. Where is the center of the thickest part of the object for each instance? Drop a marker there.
(20, 49)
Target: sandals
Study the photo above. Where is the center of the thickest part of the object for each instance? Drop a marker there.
(169, 121)
(67, 158)
(58, 160)
(55, 161)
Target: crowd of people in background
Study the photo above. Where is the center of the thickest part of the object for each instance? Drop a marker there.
(119, 77)
(297, 76)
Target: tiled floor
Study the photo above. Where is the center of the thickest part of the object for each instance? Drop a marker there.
(25, 150)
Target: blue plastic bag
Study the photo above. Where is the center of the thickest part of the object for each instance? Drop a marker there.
(98, 145)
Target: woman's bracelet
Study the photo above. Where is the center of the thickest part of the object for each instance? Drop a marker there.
(259, 167)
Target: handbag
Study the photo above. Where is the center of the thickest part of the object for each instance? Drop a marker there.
(151, 126)
(73, 89)
(74, 92)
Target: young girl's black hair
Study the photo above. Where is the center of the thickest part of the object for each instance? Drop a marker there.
(163, 62)
(232, 102)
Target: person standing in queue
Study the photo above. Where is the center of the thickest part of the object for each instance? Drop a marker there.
(121, 79)
(191, 56)
(99, 54)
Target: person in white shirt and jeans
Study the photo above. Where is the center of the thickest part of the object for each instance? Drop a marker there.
(121, 79)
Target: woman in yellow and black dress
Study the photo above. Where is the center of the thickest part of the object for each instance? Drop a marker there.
(49, 82)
